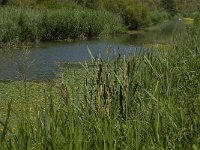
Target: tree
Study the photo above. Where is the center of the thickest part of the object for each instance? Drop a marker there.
(3, 2)
(170, 6)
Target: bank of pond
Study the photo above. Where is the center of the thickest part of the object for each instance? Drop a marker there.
(44, 59)
(20, 25)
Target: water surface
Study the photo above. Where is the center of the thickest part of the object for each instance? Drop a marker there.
(43, 59)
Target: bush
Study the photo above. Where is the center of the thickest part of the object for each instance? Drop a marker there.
(159, 16)
(135, 15)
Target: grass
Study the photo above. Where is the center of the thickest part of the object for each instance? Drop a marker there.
(19, 25)
(146, 102)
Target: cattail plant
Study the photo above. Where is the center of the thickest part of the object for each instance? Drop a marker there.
(99, 83)
(108, 88)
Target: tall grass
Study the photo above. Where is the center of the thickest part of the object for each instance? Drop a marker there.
(144, 102)
(31, 25)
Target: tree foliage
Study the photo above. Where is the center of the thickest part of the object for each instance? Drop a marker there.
(135, 13)
(169, 6)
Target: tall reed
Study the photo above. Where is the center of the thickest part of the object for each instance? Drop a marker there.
(150, 101)
(20, 25)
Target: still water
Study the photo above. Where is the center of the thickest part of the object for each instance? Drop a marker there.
(43, 59)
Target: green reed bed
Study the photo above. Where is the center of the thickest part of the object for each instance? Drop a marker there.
(19, 25)
(150, 101)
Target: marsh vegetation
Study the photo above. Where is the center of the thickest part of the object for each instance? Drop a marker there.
(146, 101)
(42, 20)
(27, 25)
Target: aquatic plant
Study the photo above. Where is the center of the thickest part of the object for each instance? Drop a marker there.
(20, 25)
(149, 101)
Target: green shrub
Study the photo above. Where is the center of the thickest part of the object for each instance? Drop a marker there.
(159, 16)
(170, 6)
(135, 15)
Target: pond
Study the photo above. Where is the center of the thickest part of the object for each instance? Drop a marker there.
(42, 60)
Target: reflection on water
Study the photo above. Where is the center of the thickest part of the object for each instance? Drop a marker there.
(43, 58)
